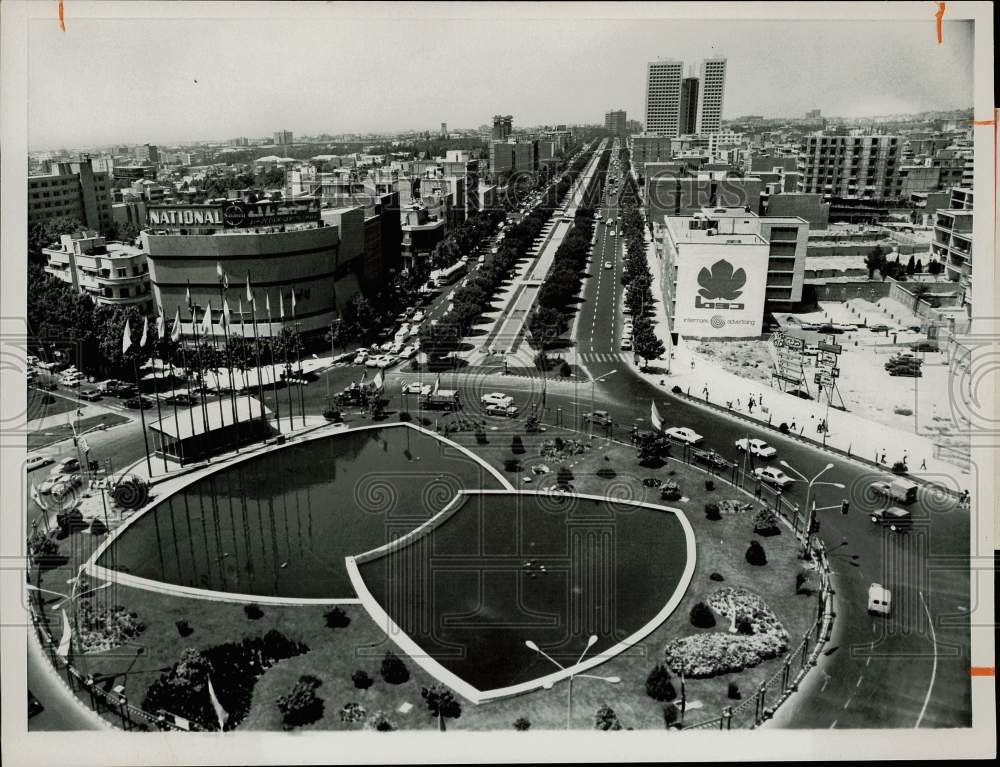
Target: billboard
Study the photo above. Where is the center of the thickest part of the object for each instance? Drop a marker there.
(234, 214)
(720, 291)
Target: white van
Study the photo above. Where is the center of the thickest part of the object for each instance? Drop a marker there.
(879, 600)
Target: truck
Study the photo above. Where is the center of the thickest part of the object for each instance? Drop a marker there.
(898, 489)
(442, 399)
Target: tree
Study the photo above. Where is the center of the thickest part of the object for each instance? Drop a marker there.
(605, 718)
(380, 722)
(301, 705)
(441, 703)
(645, 342)
(41, 234)
(875, 261)
(702, 616)
(653, 448)
(521, 724)
(935, 267)
(361, 679)
(336, 618)
(658, 684)
(911, 265)
(755, 554)
(393, 670)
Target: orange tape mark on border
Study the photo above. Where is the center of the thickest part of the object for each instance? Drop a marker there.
(62, 20)
(982, 671)
(939, 15)
(984, 122)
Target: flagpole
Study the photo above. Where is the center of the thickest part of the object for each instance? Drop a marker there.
(201, 370)
(274, 382)
(298, 360)
(256, 339)
(142, 414)
(173, 398)
(215, 365)
(229, 356)
(159, 412)
(187, 381)
(291, 423)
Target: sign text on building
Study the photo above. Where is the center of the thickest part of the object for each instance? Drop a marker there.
(234, 214)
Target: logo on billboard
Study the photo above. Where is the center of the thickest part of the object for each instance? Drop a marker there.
(720, 282)
(718, 322)
(234, 215)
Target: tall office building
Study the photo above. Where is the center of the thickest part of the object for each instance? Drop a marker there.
(444, 130)
(283, 137)
(713, 86)
(502, 126)
(663, 97)
(615, 122)
(72, 191)
(689, 106)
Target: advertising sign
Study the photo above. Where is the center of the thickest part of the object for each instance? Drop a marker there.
(720, 292)
(234, 214)
(828, 347)
(827, 358)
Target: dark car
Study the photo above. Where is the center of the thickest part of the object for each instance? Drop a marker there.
(894, 518)
(829, 329)
(906, 372)
(123, 392)
(48, 386)
(91, 395)
(181, 398)
(139, 402)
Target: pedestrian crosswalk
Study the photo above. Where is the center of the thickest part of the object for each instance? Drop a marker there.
(605, 356)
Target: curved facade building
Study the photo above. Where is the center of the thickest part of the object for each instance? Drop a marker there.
(305, 258)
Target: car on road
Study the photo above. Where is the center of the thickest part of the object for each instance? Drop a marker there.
(418, 317)
(91, 395)
(139, 402)
(504, 411)
(829, 329)
(415, 387)
(600, 417)
(181, 398)
(879, 328)
(48, 386)
(899, 489)
(65, 466)
(408, 352)
(375, 361)
(360, 357)
(773, 476)
(626, 344)
(894, 518)
(37, 461)
(879, 600)
(712, 459)
(684, 434)
(756, 447)
(345, 357)
(608, 265)
(496, 398)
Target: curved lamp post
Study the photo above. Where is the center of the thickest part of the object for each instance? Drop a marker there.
(811, 507)
(569, 697)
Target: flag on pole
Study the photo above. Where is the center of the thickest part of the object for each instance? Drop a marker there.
(220, 712)
(293, 302)
(379, 381)
(654, 417)
(267, 304)
(142, 338)
(437, 384)
(67, 636)
(206, 322)
(243, 329)
(225, 313)
(364, 376)
(161, 326)
(281, 306)
(126, 338)
(249, 292)
(187, 295)
(175, 332)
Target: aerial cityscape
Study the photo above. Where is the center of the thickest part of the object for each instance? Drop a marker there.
(653, 415)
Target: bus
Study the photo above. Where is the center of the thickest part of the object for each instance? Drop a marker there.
(446, 276)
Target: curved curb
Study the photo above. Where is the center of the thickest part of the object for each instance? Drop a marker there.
(467, 690)
(99, 571)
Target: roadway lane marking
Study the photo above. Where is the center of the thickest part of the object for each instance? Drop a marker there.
(858, 683)
(834, 724)
(930, 687)
(868, 662)
(848, 701)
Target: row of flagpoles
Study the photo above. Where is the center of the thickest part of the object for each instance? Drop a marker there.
(206, 328)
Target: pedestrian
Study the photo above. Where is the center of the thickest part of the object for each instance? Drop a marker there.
(793, 425)
(904, 458)
(692, 364)
(737, 404)
(923, 464)
(750, 405)
(883, 457)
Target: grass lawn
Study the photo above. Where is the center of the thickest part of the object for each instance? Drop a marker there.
(42, 406)
(335, 653)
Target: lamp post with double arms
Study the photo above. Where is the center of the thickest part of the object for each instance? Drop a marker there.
(811, 507)
(569, 696)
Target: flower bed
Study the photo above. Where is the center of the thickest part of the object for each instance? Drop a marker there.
(733, 506)
(761, 637)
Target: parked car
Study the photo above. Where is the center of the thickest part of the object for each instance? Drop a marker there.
(360, 357)
(415, 387)
(91, 395)
(37, 461)
(124, 392)
(408, 352)
(600, 417)
(830, 329)
(496, 398)
(906, 372)
(65, 466)
(712, 458)
(626, 344)
(756, 447)
(899, 489)
(505, 411)
(48, 386)
(894, 518)
(879, 600)
(773, 476)
(181, 398)
(139, 402)
(684, 434)
(879, 328)
(418, 317)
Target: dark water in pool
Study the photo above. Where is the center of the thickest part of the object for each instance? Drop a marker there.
(282, 523)
(467, 595)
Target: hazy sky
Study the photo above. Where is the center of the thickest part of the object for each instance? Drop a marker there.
(130, 81)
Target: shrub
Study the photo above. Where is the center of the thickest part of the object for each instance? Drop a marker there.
(676, 389)
(353, 712)
(361, 679)
(755, 554)
(521, 724)
(658, 684)
(184, 628)
(511, 465)
(899, 468)
(783, 428)
(733, 691)
(605, 718)
(253, 612)
(709, 485)
(564, 476)
(670, 491)
(716, 577)
(404, 416)
(670, 714)
(394, 671)
(702, 616)
(380, 722)
(441, 703)
(516, 445)
(481, 436)
(564, 369)
(301, 705)
(744, 625)
(765, 521)
(337, 618)
(97, 527)
(712, 512)
(802, 582)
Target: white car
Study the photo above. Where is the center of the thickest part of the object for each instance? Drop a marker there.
(684, 434)
(608, 265)
(360, 358)
(626, 344)
(773, 476)
(376, 361)
(756, 447)
(415, 387)
(387, 361)
(418, 317)
(497, 398)
(408, 352)
(37, 460)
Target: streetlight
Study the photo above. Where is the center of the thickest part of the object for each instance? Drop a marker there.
(569, 698)
(810, 509)
(593, 382)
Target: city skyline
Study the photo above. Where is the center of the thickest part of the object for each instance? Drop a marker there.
(197, 98)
